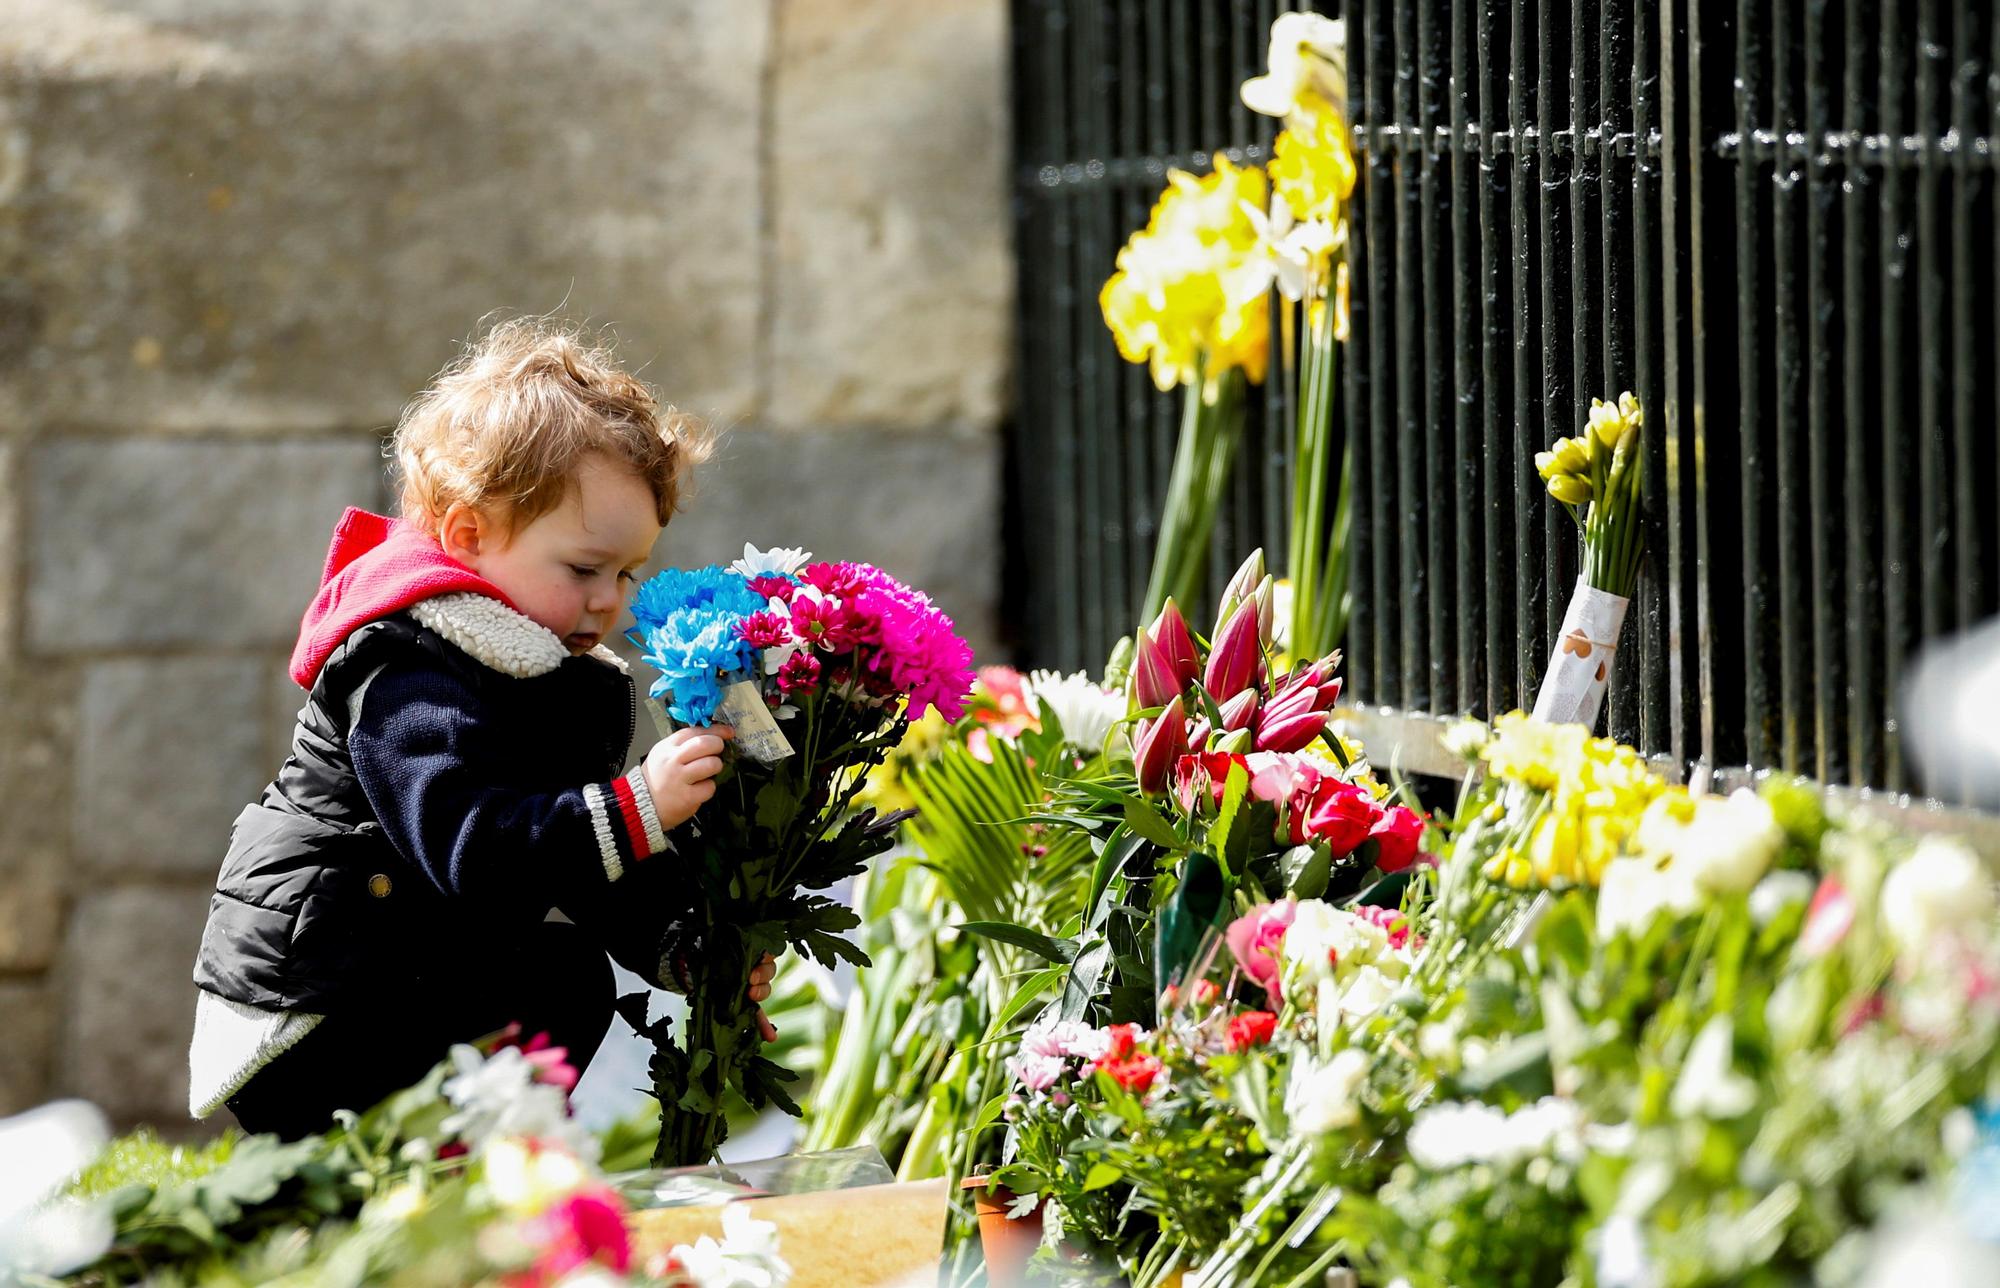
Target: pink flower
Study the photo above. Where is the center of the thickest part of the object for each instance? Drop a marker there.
(1828, 918)
(587, 1227)
(1333, 811)
(1391, 920)
(1395, 835)
(1255, 939)
(1037, 1072)
(822, 622)
(800, 671)
(765, 630)
(1010, 713)
(773, 586)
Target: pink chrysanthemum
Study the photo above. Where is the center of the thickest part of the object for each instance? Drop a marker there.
(800, 671)
(765, 630)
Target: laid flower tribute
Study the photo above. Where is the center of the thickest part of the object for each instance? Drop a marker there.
(1622, 1033)
(476, 1175)
(818, 667)
(1191, 298)
(1595, 476)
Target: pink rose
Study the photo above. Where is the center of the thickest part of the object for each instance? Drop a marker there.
(1255, 939)
(1395, 835)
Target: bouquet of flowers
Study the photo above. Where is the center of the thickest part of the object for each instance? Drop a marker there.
(819, 667)
(1596, 476)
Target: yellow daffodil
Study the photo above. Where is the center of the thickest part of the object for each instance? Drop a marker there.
(1313, 168)
(1586, 801)
(1189, 292)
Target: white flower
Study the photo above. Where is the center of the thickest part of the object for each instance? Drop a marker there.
(42, 1234)
(1634, 891)
(526, 1176)
(1940, 887)
(1459, 1132)
(1709, 1086)
(1622, 1261)
(1730, 843)
(1085, 709)
(1325, 942)
(1308, 54)
(1465, 738)
(393, 1207)
(1779, 891)
(1321, 1098)
(497, 1096)
(1366, 993)
(747, 1257)
(1291, 251)
(778, 559)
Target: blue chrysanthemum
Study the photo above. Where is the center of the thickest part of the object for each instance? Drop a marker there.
(693, 649)
(674, 589)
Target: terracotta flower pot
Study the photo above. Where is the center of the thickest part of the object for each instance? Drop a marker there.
(1006, 1244)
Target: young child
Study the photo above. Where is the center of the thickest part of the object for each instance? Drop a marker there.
(456, 770)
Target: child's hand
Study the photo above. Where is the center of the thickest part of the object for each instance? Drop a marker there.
(680, 771)
(760, 988)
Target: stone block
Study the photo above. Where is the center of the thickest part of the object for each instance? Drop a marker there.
(269, 215)
(893, 289)
(145, 542)
(923, 506)
(37, 740)
(128, 1001)
(28, 1019)
(10, 545)
(169, 750)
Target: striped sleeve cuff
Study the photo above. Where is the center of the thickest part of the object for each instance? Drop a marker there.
(624, 821)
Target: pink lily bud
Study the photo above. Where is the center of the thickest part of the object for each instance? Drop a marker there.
(1241, 586)
(1293, 733)
(1198, 733)
(1237, 711)
(1153, 682)
(1237, 658)
(1267, 599)
(1162, 741)
(1170, 632)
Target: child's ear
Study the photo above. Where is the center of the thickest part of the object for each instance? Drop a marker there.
(463, 532)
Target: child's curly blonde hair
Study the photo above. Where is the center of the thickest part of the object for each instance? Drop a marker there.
(506, 426)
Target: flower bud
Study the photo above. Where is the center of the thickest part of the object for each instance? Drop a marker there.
(1572, 456)
(1241, 586)
(1545, 465)
(1570, 489)
(1153, 683)
(1237, 656)
(1606, 425)
(1237, 712)
(1162, 741)
(1235, 742)
(1170, 632)
(1293, 733)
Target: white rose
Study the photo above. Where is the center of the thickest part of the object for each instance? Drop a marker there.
(1320, 1098)
(1366, 992)
(1325, 942)
(1730, 843)
(1942, 885)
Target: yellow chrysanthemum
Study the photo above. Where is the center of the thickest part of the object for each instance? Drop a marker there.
(1312, 167)
(1594, 796)
(1190, 286)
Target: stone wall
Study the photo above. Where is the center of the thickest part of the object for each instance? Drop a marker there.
(236, 234)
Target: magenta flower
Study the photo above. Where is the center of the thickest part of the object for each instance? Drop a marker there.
(1255, 939)
(765, 630)
(774, 586)
(800, 671)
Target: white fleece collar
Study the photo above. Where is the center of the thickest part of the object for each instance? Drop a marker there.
(511, 643)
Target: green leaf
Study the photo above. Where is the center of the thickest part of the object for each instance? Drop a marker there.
(1229, 838)
(1101, 1175)
(1031, 989)
(1006, 932)
(1146, 821)
(1086, 978)
(1305, 869)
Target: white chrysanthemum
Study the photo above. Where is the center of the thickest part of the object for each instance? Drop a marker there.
(1086, 710)
(497, 1096)
(779, 559)
(39, 1233)
(747, 1256)
(1730, 843)
(1465, 738)
(1325, 942)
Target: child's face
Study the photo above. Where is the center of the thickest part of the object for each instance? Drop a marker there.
(571, 569)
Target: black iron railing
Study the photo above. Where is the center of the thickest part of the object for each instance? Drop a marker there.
(1774, 220)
